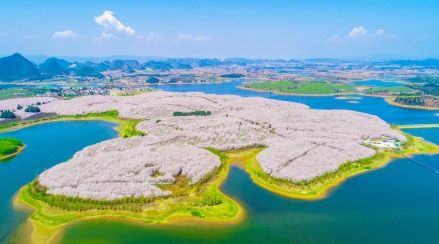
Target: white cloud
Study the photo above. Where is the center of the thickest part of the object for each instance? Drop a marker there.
(357, 31)
(380, 32)
(104, 36)
(64, 34)
(111, 23)
(153, 37)
(184, 37)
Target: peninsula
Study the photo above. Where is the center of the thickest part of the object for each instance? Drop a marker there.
(401, 96)
(302, 88)
(9, 147)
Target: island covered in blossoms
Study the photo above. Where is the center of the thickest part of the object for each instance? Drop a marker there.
(175, 151)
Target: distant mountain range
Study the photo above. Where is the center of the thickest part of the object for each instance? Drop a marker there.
(18, 68)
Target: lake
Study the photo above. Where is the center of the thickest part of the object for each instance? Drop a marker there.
(46, 145)
(397, 203)
(378, 83)
(371, 105)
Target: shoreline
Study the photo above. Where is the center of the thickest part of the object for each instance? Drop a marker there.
(49, 222)
(299, 94)
(43, 233)
(321, 186)
(313, 95)
(13, 155)
(388, 99)
(417, 126)
(125, 127)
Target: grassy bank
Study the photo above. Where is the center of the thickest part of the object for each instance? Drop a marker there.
(301, 88)
(126, 127)
(10, 147)
(392, 90)
(320, 186)
(201, 202)
(333, 89)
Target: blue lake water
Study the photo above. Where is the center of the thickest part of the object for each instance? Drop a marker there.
(46, 145)
(395, 204)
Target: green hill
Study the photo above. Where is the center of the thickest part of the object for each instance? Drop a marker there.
(89, 69)
(125, 65)
(54, 66)
(16, 68)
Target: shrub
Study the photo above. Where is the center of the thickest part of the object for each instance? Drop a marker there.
(32, 109)
(196, 213)
(410, 100)
(193, 113)
(7, 114)
(19, 107)
(211, 197)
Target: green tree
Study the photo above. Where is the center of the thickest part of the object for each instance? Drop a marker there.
(7, 114)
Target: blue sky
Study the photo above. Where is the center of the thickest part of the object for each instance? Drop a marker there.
(222, 28)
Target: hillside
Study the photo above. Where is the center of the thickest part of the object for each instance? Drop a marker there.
(16, 67)
(54, 67)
